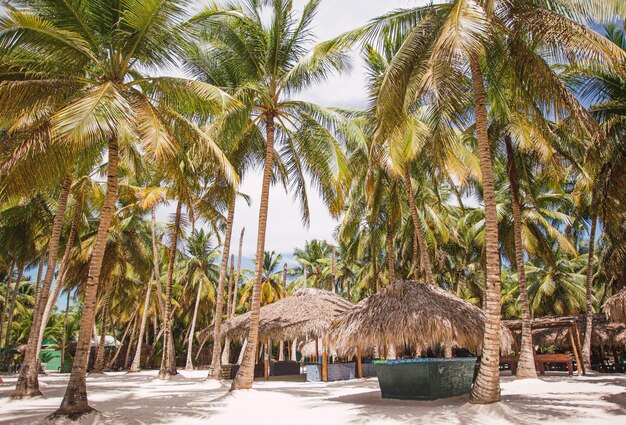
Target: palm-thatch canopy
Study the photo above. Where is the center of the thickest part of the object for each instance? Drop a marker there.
(409, 313)
(554, 331)
(306, 314)
(615, 307)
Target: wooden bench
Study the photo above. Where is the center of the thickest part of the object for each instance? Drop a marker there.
(540, 362)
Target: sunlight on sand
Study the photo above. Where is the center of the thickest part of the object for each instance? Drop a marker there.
(189, 399)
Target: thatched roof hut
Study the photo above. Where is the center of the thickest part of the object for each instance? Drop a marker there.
(615, 307)
(554, 331)
(307, 313)
(408, 313)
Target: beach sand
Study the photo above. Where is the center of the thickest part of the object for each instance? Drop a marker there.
(188, 399)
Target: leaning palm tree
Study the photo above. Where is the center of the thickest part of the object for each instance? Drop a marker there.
(98, 56)
(273, 64)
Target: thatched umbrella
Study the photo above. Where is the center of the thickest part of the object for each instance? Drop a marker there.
(415, 314)
(615, 306)
(306, 314)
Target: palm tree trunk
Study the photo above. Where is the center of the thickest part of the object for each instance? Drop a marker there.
(294, 349)
(167, 371)
(64, 341)
(130, 344)
(486, 388)
(216, 364)
(42, 260)
(229, 298)
(245, 374)
(391, 252)
(7, 293)
(131, 323)
(136, 365)
(238, 276)
(374, 272)
(58, 286)
(281, 348)
(98, 365)
(333, 270)
(75, 400)
(419, 234)
(226, 350)
(189, 364)
(16, 289)
(526, 365)
(243, 351)
(586, 350)
(155, 265)
(28, 383)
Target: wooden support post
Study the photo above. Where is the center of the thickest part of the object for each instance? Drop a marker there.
(359, 366)
(324, 365)
(579, 347)
(266, 366)
(317, 351)
(578, 362)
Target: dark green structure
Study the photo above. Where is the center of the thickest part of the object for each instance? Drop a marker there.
(425, 379)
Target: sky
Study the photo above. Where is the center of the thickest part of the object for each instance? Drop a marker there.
(285, 230)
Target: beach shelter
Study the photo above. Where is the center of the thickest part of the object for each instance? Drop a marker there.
(307, 314)
(412, 314)
(615, 307)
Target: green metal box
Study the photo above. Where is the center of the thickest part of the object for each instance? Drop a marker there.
(425, 379)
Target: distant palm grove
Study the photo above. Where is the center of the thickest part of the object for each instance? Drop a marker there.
(488, 160)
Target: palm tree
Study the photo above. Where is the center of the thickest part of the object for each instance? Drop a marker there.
(273, 64)
(103, 97)
(199, 270)
(312, 257)
(27, 383)
(271, 280)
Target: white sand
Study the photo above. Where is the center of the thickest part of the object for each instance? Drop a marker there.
(188, 399)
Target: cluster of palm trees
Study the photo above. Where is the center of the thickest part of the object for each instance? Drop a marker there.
(487, 161)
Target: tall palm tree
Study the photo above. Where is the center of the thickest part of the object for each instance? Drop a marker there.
(199, 270)
(273, 63)
(102, 98)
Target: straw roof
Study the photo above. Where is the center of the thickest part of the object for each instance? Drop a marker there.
(615, 306)
(555, 330)
(307, 313)
(416, 314)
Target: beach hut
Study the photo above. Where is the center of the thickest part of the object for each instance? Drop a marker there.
(567, 333)
(307, 314)
(615, 307)
(416, 316)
